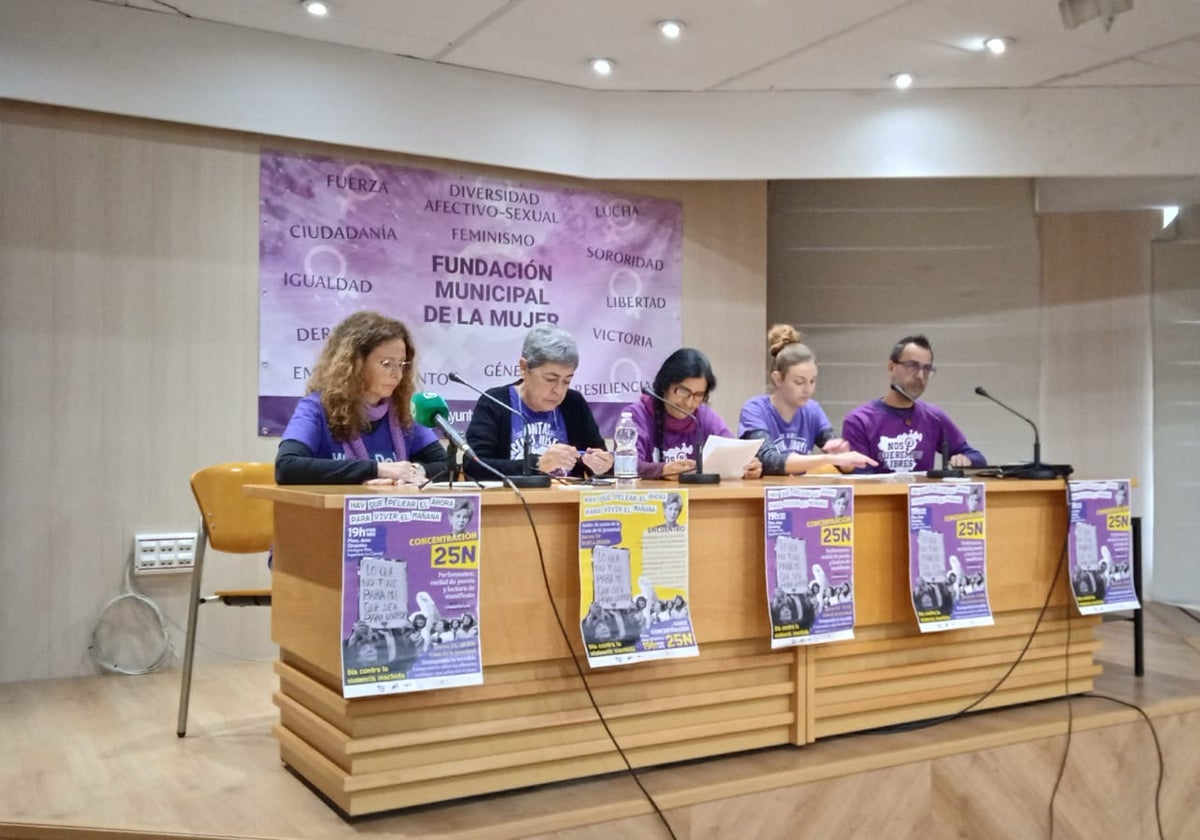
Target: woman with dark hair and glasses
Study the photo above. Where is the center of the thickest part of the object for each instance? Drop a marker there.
(355, 425)
(796, 434)
(672, 430)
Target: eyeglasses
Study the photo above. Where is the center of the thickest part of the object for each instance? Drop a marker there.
(394, 367)
(687, 394)
(915, 367)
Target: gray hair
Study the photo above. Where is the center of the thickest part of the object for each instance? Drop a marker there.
(548, 344)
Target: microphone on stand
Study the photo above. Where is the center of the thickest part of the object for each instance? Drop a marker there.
(946, 470)
(431, 411)
(527, 478)
(1035, 469)
(699, 476)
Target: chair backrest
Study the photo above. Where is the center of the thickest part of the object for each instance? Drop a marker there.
(235, 522)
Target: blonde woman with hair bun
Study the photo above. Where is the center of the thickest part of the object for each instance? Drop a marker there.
(796, 434)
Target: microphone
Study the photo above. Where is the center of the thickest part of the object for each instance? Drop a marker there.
(699, 476)
(1036, 469)
(431, 411)
(527, 478)
(903, 393)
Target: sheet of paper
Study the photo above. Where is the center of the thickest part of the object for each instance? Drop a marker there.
(728, 456)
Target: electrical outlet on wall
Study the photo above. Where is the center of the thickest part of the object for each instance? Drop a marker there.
(160, 553)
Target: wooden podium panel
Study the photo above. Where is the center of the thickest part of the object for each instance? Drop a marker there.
(532, 722)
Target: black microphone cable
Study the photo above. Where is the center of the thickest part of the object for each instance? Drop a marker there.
(571, 650)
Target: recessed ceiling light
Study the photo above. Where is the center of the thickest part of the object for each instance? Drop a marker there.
(903, 80)
(670, 29)
(316, 8)
(997, 46)
(603, 66)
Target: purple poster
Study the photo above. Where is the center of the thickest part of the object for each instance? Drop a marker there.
(947, 555)
(469, 264)
(810, 564)
(410, 593)
(1101, 544)
(633, 576)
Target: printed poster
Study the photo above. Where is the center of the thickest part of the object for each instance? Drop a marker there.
(947, 555)
(633, 576)
(468, 264)
(410, 594)
(810, 564)
(1101, 546)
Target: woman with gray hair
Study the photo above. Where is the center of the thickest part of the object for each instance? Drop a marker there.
(562, 433)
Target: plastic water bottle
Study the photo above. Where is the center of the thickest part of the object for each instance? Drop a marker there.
(625, 461)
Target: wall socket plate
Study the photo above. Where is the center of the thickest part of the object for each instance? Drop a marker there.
(164, 553)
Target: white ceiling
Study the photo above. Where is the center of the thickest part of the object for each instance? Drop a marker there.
(749, 45)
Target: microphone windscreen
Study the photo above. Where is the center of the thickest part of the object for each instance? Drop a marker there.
(427, 407)
(979, 390)
(454, 377)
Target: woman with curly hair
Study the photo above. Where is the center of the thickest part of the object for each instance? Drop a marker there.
(355, 425)
(796, 434)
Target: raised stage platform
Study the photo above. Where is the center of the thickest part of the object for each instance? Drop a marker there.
(98, 758)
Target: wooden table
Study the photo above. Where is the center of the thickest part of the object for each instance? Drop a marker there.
(531, 722)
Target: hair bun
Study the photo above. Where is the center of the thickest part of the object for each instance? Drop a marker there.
(780, 336)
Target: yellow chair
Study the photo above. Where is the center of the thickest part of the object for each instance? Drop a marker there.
(232, 522)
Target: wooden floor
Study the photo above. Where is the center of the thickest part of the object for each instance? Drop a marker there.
(98, 757)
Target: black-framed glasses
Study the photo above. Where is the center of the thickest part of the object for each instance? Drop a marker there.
(915, 367)
(394, 367)
(685, 394)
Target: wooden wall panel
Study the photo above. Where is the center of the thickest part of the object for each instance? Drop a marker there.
(858, 264)
(1096, 405)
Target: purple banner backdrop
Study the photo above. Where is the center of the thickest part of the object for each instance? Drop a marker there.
(810, 564)
(947, 555)
(633, 576)
(410, 594)
(1101, 546)
(469, 264)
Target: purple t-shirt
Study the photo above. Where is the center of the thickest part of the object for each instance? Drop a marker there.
(681, 440)
(546, 428)
(808, 424)
(904, 439)
(309, 426)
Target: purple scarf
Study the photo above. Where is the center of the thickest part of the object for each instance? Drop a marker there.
(354, 447)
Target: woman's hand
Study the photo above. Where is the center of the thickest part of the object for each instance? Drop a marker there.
(401, 472)
(598, 461)
(835, 445)
(752, 469)
(674, 468)
(559, 456)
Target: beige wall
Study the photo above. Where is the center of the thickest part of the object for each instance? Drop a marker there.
(129, 351)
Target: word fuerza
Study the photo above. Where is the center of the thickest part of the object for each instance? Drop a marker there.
(352, 184)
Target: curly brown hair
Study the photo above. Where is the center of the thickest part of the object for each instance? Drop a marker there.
(338, 374)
